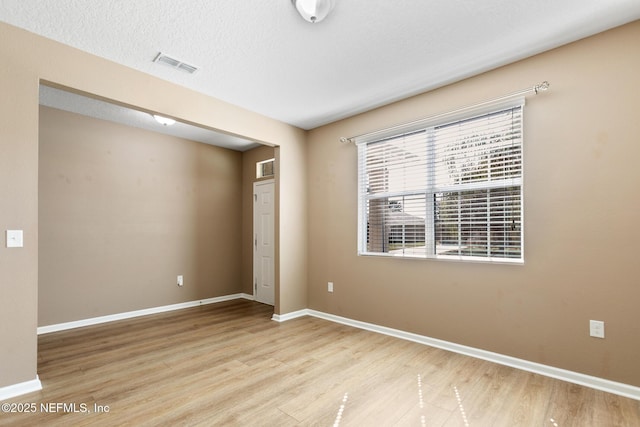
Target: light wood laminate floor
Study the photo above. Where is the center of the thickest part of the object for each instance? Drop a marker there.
(228, 364)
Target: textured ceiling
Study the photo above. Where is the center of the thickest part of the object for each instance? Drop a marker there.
(260, 55)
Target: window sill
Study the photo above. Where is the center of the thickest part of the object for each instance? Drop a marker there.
(454, 258)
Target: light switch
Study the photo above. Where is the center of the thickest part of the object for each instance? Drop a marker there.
(14, 239)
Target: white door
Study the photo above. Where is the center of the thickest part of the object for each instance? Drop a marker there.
(263, 242)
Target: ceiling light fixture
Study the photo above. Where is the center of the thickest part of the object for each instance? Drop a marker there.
(313, 10)
(164, 121)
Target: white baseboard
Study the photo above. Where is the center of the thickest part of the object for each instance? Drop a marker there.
(608, 386)
(19, 389)
(137, 313)
(289, 316)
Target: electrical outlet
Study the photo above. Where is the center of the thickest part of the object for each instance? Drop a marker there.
(596, 328)
(330, 286)
(180, 280)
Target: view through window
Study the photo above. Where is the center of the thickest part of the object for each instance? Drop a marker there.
(452, 190)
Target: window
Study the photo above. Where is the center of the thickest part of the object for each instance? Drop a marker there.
(451, 190)
(265, 168)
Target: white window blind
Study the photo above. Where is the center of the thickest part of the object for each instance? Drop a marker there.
(450, 190)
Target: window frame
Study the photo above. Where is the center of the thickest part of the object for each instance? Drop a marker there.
(261, 166)
(429, 125)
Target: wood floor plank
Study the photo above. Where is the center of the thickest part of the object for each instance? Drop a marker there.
(484, 402)
(529, 402)
(424, 415)
(228, 364)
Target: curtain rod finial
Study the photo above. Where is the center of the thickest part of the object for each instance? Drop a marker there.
(344, 140)
(541, 87)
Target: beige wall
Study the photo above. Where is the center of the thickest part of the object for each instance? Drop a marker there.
(581, 216)
(123, 211)
(249, 160)
(28, 59)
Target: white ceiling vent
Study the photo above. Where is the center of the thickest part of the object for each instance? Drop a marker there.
(175, 63)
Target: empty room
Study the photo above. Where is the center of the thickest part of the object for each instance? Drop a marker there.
(319, 212)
